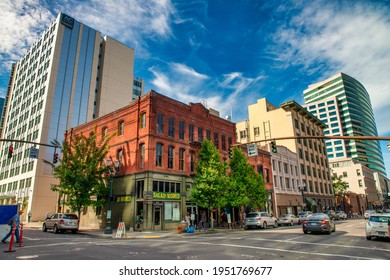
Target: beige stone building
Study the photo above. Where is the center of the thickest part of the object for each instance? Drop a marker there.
(267, 122)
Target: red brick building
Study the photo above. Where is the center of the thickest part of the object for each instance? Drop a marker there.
(155, 147)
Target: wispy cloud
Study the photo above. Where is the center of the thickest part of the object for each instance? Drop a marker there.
(329, 37)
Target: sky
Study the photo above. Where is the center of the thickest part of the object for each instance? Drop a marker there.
(228, 53)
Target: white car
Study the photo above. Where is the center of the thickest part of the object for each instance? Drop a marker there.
(377, 225)
(288, 219)
(61, 222)
(260, 219)
(368, 213)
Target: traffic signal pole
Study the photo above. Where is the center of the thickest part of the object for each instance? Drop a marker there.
(378, 138)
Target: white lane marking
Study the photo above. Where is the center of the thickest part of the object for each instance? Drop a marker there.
(280, 250)
(28, 257)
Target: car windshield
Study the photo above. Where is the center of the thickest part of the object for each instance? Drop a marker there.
(379, 219)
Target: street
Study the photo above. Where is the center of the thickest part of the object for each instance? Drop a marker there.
(282, 243)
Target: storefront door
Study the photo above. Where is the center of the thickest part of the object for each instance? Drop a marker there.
(157, 217)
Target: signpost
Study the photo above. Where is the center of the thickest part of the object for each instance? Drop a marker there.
(34, 153)
(252, 150)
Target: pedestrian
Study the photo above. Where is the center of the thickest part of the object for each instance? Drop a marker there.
(223, 219)
(188, 219)
(193, 219)
(202, 222)
(29, 216)
(243, 218)
(16, 223)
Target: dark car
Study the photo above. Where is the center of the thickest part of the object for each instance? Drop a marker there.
(318, 222)
(331, 213)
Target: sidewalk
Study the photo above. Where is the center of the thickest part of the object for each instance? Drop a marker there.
(99, 233)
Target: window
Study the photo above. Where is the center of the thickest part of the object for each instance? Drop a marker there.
(200, 134)
(216, 140)
(223, 139)
(171, 126)
(171, 151)
(243, 134)
(181, 130)
(159, 154)
(181, 159)
(208, 134)
(142, 155)
(191, 133)
(160, 123)
(256, 131)
(121, 127)
(143, 120)
(140, 188)
(104, 132)
(192, 161)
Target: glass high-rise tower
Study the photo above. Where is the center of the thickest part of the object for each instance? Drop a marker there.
(69, 76)
(344, 105)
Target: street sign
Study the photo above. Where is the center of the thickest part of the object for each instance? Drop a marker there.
(252, 150)
(34, 153)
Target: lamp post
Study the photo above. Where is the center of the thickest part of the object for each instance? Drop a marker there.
(112, 172)
(302, 189)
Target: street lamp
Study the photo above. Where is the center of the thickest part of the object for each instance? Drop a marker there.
(302, 189)
(111, 172)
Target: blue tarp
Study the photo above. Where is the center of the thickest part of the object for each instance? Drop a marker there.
(7, 212)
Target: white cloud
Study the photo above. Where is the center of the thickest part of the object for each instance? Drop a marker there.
(330, 37)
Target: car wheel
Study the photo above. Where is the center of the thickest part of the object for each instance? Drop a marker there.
(305, 231)
(292, 223)
(329, 232)
(44, 229)
(368, 237)
(276, 224)
(55, 229)
(74, 231)
(264, 225)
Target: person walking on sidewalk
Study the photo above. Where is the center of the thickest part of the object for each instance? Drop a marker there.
(16, 222)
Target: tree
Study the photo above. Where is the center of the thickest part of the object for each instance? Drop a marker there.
(340, 188)
(246, 186)
(210, 181)
(81, 171)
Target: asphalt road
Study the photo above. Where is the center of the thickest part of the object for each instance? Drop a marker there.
(282, 243)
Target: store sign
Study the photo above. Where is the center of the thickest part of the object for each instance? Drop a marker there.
(67, 21)
(122, 198)
(167, 196)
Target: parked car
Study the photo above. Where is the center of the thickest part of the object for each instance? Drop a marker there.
(303, 216)
(341, 215)
(377, 225)
(331, 213)
(260, 219)
(318, 222)
(61, 222)
(368, 213)
(288, 219)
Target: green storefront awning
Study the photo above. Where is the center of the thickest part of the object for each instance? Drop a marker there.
(311, 201)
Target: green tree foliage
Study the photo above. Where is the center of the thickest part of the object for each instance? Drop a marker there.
(340, 188)
(81, 171)
(246, 186)
(210, 181)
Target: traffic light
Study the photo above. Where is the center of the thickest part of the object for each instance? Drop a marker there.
(10, 151)
(55, 158)
(273, 147)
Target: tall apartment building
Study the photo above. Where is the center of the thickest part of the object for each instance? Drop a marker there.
(266, 121)
(69, 76)
(155, 149)
(344, 105)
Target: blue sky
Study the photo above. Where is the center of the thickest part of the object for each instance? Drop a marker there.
(228, 53)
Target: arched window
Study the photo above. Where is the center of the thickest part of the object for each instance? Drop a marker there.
(142, 155)
(121, 127)
(104, 132)
(171, 152)
(159, 154)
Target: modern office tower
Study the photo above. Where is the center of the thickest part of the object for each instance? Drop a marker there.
(344, 105)
(138, 87)
(69, 76)
(266, 121)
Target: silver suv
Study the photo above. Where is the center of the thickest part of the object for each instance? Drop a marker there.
(60, 222)
(260, 219)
